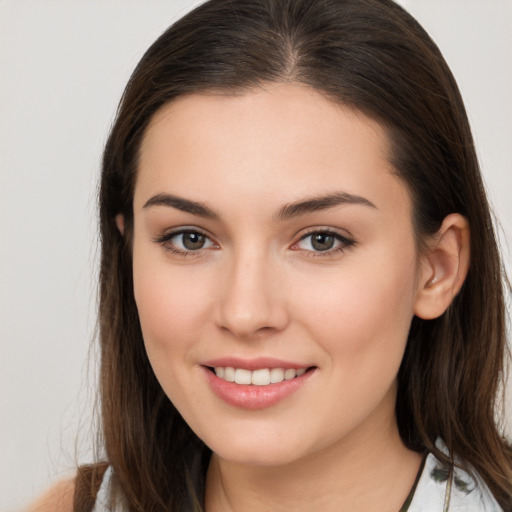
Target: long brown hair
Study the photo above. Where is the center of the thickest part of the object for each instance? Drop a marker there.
(370, 55)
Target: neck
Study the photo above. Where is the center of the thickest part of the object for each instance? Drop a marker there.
(362, 472)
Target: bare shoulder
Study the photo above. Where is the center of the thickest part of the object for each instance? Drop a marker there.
(58, 498)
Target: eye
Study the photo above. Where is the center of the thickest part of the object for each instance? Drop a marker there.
(323, 241)
(190, 241)
(185, 241)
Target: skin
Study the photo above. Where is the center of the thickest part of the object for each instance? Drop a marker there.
(258, 288)
(59, 498)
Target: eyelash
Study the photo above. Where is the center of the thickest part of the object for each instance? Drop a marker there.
(165, 239)
(344, 243)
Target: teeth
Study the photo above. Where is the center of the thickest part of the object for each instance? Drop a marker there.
(276, 375)
(229, 374)
(289, 374)
(242, 376)
(262, 377)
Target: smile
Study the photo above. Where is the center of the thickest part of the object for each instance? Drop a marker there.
(259, 377)
(259, 387)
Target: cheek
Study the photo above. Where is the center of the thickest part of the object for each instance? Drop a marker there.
(173, 304)
(365, 311)
(361, 321)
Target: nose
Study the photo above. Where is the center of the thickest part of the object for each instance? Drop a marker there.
(252, 299)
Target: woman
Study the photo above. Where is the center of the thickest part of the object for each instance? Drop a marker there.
(301, 293)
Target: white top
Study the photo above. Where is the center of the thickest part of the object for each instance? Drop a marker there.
(435, 492)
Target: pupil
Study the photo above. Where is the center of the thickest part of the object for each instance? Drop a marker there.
(193, 240)
(322, 242)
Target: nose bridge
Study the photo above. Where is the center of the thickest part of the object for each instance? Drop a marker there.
(251, 301)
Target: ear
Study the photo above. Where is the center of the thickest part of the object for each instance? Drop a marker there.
(120, 223)
(444, 267)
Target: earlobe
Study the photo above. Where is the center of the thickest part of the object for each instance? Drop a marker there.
(444, 268)
(120, 223)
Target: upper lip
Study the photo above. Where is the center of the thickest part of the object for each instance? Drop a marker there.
(253, 364)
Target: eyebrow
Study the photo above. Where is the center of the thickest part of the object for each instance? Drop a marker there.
(321, 203)
(185, 205)
(288, 211)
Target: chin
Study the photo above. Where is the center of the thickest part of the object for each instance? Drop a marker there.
(257, 457)
(255, 451)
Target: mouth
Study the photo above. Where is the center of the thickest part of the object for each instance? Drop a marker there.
(258, 388)
(257, 377)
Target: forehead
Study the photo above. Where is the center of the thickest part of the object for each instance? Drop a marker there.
(280, 142)
(294, 111)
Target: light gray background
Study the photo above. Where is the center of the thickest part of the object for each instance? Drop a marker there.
(63, 65)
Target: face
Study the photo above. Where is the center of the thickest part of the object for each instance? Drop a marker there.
(273, 245)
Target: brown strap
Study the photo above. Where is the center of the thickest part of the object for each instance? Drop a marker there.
(87, 483)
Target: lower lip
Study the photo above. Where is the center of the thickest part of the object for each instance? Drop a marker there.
(254, 397)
